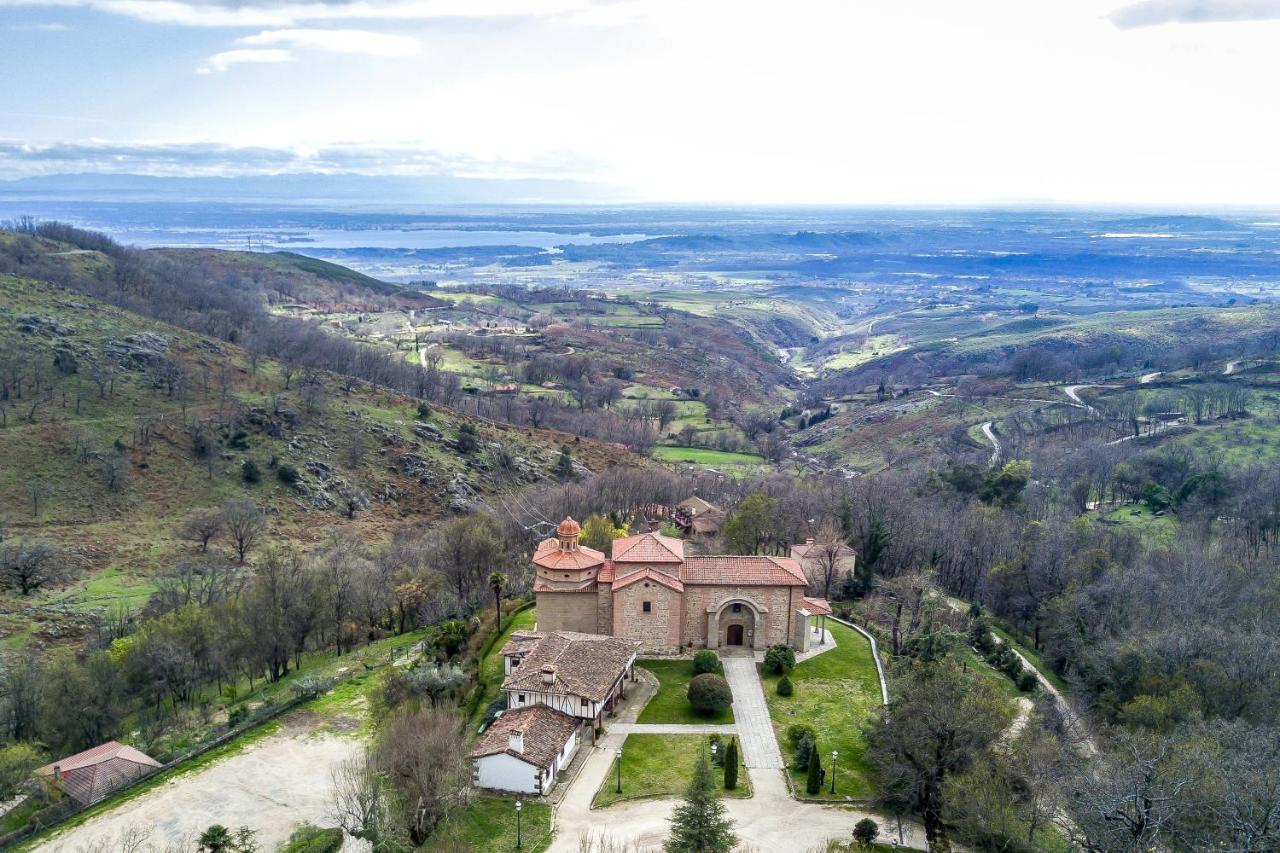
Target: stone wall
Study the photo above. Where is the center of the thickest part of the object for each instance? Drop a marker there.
(780, 601)
(567, 611)
(659, 629)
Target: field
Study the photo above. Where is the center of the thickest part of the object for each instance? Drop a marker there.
(670, 704)
(836, 692)
(661, 766)
(708, 458)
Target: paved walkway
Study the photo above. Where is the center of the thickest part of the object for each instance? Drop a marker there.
(755, 729)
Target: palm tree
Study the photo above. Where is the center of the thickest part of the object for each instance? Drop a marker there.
(215, 839)
(497, 581)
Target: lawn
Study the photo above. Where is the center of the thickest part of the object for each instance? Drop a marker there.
(661, 766)
(669, 704)
(1158, 529)
(703, 456)
(488, 825)
(1033, 657)
(835, 693)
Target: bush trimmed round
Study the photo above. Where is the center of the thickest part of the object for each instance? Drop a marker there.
(709, 694)
(705, 661)
(785, 688)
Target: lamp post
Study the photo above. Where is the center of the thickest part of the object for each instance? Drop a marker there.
(834, 754)
(619, 754)
(518, 807)
(715, 748)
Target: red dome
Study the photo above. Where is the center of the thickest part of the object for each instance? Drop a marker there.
(568, 528)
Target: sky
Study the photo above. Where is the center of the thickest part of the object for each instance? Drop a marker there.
(1160, 102)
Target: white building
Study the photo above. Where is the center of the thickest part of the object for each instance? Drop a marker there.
(524, 750)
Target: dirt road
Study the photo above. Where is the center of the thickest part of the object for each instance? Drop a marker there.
(272, 786)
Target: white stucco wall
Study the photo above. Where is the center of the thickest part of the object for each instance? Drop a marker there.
(506, 773)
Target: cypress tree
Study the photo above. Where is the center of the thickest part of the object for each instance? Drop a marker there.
(699, 824)
(731, 765)
(813, 784)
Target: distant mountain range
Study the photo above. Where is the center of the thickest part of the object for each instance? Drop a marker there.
(308, 189)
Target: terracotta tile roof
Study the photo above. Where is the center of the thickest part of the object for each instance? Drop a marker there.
(545, 732)
(817, 606)
(650, 575)
(648, 548)
(543, 585)
(520, 642)
(743, 571)
(801, 551)
(696, 506)
(585, 664)
(551, 556)
(90, 775)
(708, 522)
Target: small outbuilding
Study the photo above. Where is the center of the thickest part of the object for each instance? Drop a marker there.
(524, 750)
(92, 775)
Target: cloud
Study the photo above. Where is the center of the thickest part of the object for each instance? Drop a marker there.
(38, 28)
(337, 41)
(216, 159)
(290, 13)
(227, 58)
(1151, 13)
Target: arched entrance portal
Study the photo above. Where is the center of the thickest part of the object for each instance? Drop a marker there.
(736, 622)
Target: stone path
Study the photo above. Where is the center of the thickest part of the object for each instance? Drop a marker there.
(673, 729)
(755, 729)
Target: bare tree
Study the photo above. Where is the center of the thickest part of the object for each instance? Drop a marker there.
(28, 565)
(423, 756)
(38, 489)
(246, 524)
(201, 526)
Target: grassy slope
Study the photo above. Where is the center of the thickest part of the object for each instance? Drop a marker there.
(116, 541)
(670, 704)
(661, 766)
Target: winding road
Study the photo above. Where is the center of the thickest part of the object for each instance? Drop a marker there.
(995, 443)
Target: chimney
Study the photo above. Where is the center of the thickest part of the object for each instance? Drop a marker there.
(515, 741)
(548, 675)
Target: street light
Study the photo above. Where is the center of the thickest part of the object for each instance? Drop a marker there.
(715, 747)
(518, 807)
(834, 754)
(619, 754)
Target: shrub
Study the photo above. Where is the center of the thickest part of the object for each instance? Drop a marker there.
(288, 475)
(796, 733)
(980, 637)
(1027, 682)
(249, 472)
(424, 411)
(865, 832)
(707, 661)
(805, 749)
(731, 765)
(313, 839)
(717, 749)
(813, 778)
(237, 715)
(709, 693)
(779, 659)
(784, 686)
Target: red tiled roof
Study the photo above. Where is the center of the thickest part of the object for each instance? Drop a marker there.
(648, 548)
(520, 642)
(817, 606)
(90, 775)
(650, 575)
(551, 556)
(543, 585)
(584, 664)
(819, 549)
(545, 732)
(743, 571)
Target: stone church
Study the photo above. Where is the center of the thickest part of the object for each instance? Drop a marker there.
(652, 592)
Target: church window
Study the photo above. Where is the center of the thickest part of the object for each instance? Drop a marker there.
(648, 607)
(737, 608)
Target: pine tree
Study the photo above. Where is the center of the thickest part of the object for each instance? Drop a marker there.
(813, 784)
(699, 824)
(731, 765)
